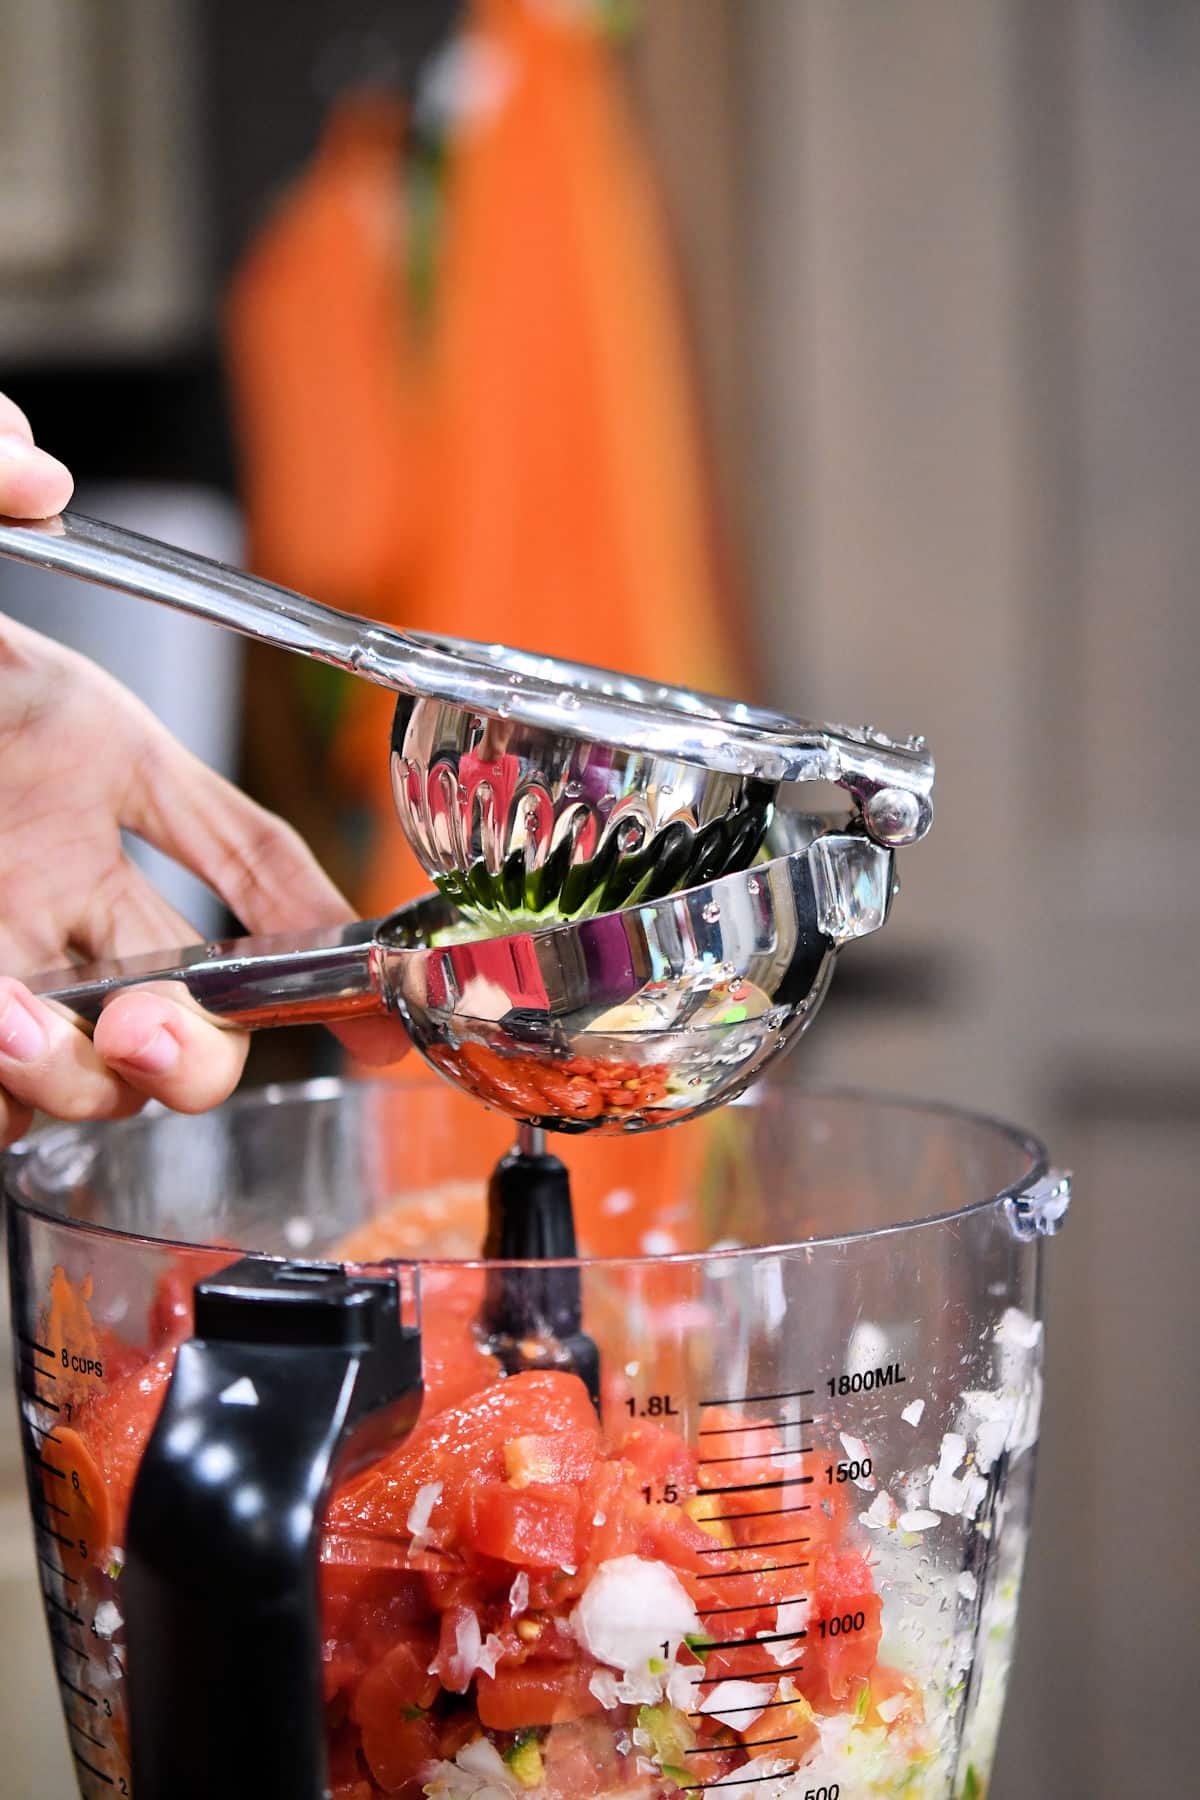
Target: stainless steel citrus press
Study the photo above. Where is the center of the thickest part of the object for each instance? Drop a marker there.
(620, 887)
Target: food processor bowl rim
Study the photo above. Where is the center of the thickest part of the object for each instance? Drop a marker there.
(328, 1087)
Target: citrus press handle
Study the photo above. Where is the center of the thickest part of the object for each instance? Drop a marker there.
(891, 780)
(316, 977)
(93, 550)
(297, 1375)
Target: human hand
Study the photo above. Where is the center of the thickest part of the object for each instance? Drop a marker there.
(32, 484)
(82, 759)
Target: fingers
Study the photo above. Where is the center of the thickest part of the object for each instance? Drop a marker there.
(13, 422)
(15, 1121)
(125, 915)
(261, 868)
(48, 1064)
(33, 485)
(165, 1049)
(154, 1038)
(147, 1045)
(375, 1042)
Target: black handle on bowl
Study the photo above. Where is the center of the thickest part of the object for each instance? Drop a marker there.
(296, 1374)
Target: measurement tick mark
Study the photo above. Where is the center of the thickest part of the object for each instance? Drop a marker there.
(763, 1487)
(91, 1768)
(711, 1462)
(58, 1536)
(769, 1707)
(700, 1787)
(89, 1698)
(762, 1512)
(54, 1569)
(46, 1431)
(59, 1607)
(706, 1749)
(66, 1644)
(774, 1544)
(99, 1742)
(755, 1399)
(50, 1468)
(767, 1637)
(756, 1425)
(757, 1675)
(51, 1506)
(757, 1606)
(32, 1344)
(40, 1400)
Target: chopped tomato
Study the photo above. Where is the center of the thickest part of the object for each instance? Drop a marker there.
(844, 1625)
(580, 1759)
(116, 1427)
(77, 1494)
(532, 1527)
(519, 1500)
(400, 1682)
(536, 1693)
(565, 1456)
(369, 1605)
(661, 1457)
(460, 1447)
(398, 1744)
(795, 1724)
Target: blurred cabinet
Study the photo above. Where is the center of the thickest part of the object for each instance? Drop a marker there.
(101, 245)
(973, 345)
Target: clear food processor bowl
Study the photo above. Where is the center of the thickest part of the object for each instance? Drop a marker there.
(783, 1556)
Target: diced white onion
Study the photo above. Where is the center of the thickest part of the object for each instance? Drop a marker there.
(108, 1619)
(482, 1759)
(737, 1703)
(629, 1609)
(421, 1511)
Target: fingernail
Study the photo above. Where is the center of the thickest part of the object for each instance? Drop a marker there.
(22, 1036)
(16, 449)
(33, 481)
(156, 1056)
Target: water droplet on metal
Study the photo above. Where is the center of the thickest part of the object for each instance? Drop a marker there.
(711, 912)
(568, 701)
(754, 885)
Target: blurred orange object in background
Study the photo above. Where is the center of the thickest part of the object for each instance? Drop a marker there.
(525, 463)
(522, 460)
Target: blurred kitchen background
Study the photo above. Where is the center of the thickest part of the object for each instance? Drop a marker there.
(845, 352)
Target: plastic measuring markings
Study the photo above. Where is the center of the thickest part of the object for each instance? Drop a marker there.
(719, 1451)
(58, 1495)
